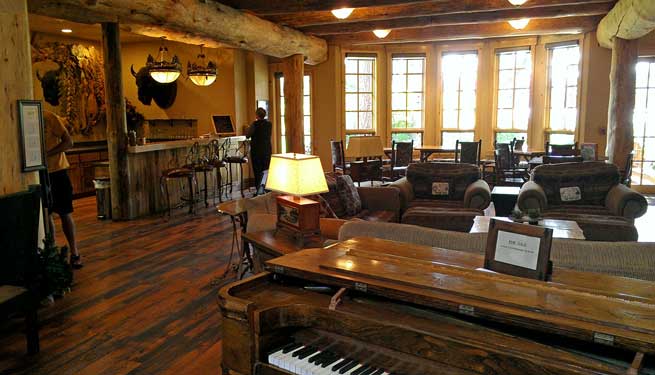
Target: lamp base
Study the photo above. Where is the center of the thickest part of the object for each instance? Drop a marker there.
(299, 217)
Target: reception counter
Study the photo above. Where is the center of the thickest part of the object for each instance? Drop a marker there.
(147, 162)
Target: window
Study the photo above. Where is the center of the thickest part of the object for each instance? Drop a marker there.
(513, 95)
(307, 115)
(564, 74)
(360, 94)
(459, 73)
(407, 98)
(643, 166)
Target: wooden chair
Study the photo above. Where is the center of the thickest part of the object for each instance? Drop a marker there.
(19, 267)
(401, 158)
(468, 152)
(505, 172)
(338, 157)
(517, 145)
(562, 150)
(550, 159)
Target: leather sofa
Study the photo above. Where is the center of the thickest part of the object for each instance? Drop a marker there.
(442, 195)
(588, 193)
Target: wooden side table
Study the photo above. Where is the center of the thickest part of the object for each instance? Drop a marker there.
(504, 198)
(236, 210)
(268, 245)
(561, 228)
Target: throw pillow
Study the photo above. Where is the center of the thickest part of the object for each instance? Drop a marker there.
(332, 198)
(349, 195)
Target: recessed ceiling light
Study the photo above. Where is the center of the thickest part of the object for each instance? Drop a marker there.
(517, 2)
(67, 31)
(519, 24)
(342, 13)
(381, 33)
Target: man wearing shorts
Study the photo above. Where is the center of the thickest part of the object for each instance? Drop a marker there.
(58, 140)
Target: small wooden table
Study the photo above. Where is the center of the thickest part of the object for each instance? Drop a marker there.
(236, 210)
(268, 245)
(504, 198)
(426, 151)
(561, 228)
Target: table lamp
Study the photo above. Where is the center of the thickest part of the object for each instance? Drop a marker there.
(297, 175)
(364, 147)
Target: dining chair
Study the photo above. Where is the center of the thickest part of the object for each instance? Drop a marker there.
(468, 152)
(562, 150)
(338, 157)
(506, 173)
(401, 158)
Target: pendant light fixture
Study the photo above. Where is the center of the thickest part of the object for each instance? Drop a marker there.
(517, 2)
(201, 72)
(381, 33)
(342, 13)
(519, 24)
(161, 70)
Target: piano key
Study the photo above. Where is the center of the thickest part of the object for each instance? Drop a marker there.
(291, 347)
(361, 370)
(378, 372)
(332, 359)
(352, 370)
(347, 368)
(341, 363)
(369, 371)
(285, 360)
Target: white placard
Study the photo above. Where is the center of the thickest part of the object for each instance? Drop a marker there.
(32, 135)
(440, 188)
(570, 194)
(517, 249)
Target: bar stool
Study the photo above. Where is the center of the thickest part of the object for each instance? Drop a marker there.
(239, 158)
(216, 152)
(200, 163)
(177, 174)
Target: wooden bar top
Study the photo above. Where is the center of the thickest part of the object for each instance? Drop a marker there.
(169, 145)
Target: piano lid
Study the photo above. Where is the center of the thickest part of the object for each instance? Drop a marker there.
(592, 307)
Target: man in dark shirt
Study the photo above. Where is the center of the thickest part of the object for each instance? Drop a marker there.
(261, 149)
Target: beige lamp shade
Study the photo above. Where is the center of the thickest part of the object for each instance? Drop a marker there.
(364, 146)
(296, 174)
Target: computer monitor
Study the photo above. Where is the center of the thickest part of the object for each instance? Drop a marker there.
(223, 125)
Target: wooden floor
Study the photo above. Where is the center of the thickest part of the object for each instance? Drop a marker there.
(143, 304)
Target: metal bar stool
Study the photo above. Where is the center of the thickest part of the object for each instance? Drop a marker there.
(177, 174)
(200, 163)
(239, 158)
(217, 152)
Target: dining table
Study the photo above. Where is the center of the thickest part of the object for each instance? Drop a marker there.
(529, 154)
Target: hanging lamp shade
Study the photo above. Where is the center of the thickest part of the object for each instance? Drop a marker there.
(161, 70)
(201, 72)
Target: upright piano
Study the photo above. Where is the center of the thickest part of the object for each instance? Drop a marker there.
(368, 306)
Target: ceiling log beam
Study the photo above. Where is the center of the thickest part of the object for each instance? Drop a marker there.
(629, 19)
(592, 9)
(268, 7)
(188, 21)
(568, 25)
(303, 19)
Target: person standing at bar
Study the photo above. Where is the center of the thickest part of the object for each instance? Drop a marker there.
(58, 140)
(261, 149)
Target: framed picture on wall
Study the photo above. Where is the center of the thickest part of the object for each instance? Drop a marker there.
(30, 121)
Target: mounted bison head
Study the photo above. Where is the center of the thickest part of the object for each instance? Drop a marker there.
(50, 86)
(148, 89)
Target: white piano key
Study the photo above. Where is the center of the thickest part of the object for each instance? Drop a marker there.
(285, 360)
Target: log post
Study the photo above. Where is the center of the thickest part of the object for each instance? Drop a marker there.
(620, 140)
(293, 70)
(16, 82)
(116, 121)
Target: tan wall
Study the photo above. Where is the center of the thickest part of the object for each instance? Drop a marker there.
(192, 101)
(328, 117)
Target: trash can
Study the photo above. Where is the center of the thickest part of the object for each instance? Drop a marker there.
(103, 198)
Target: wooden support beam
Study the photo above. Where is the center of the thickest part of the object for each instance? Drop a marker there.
(592, 9)
(567, 25)
(191, 20)
(620, 140)
(264, 7)
(308, 18)
(629, 19)
(293, 71)
(116, 122)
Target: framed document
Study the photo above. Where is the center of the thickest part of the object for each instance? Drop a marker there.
(30, 120)
(589, 151)
(518, 249)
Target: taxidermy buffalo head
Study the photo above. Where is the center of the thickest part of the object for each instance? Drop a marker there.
(148, 89)
(50, 86)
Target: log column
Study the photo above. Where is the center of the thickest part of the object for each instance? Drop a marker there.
(116, 122)
(16, 82)
(622, 101)
(293, 70)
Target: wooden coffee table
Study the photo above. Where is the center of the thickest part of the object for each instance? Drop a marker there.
(268, 245)
(561, 228)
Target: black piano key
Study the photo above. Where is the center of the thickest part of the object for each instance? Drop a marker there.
(321, 357)
(291, 347)
(378, 372)
(330, 360)
(315, 357)
(370, 371)
(341, 363)
(361, 370)
(348, 367)
(303, 351)
(307, 353)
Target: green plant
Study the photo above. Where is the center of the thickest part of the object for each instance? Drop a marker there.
(56, 275)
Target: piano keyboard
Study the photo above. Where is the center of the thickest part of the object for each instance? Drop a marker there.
(311, 360)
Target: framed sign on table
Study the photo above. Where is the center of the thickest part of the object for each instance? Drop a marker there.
(30, 120)
(519, 249)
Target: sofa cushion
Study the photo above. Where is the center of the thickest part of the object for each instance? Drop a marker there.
(331, 197)
(560, 181)
(428, 179)
(349, 195)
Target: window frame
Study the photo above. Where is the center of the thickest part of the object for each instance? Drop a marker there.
(374, 93)
(547, 109)
(279, 97)
(463, 49)
(406, 130)
(496, 87)
(649, 188)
